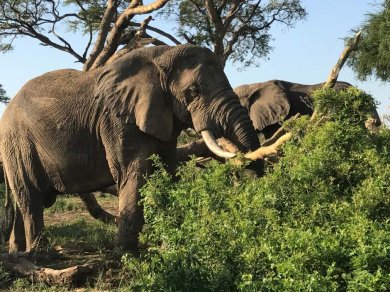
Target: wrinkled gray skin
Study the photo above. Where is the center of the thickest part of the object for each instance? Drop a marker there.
(273, 101)
(73, 132)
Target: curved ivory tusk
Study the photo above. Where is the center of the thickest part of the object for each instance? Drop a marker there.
(211, 143)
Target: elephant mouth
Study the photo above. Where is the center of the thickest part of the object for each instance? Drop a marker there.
(270, 146)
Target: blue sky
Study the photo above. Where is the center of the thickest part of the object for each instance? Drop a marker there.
(304, 54)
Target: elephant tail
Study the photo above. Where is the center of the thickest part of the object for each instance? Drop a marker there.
(7, 211)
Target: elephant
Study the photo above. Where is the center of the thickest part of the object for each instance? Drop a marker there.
(69, 131)
(268, 103)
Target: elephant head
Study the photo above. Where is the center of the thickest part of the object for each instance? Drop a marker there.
(158, 86)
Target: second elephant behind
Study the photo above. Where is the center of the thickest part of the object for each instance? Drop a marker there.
(273, 101)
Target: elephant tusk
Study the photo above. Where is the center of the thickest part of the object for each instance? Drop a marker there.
(212, 144)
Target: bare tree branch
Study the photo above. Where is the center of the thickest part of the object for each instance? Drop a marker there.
(159, 31)
(219, 34)
(28, 18)
(136, 40)
(119, 27)
(332, 78)
(104, 29)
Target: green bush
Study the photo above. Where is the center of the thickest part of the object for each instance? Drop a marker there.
(317, 221)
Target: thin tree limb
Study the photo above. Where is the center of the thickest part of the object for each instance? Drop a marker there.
(334, 74)
(104, 29)
(352, 46)
(136, 40)
(119, 27)
(159, 31)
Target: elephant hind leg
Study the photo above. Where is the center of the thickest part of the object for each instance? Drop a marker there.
(17, 240)
(27, 184)
(28, 217)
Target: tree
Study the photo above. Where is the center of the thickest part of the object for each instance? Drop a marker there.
(235, 29)
(372, 57)
(3, 97)
(110, 21)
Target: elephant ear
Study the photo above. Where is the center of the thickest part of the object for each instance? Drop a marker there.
(130, 89)
(268, 105)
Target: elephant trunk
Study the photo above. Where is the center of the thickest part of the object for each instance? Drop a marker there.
(225, 117)
(236, 125)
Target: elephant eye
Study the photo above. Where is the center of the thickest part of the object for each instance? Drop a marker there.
(193, 91)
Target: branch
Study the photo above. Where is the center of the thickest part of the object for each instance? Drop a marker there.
(189, 40)
(200, 10)
(236, 34)
(104, 29)
(219, 30)
(232, 13)
(135, 40)
(332, 78)
(265, 151)
(159, 31)
(119, 27)
(141, 31)
(90, 31)
(221, 6)
(26, 21)
(352, 46)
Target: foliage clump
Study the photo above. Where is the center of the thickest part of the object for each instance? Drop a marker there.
(317, 221)
(372, 57)
(236, 30)
(3, 95)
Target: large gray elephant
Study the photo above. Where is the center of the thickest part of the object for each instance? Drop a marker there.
(73, 132)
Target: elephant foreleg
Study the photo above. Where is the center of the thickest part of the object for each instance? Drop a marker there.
(131, 217)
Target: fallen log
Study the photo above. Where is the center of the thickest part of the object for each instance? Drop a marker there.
(18, 263)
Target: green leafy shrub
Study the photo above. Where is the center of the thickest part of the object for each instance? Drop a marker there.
(317, 221)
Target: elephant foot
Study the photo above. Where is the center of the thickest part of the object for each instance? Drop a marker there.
(130, 247)
(42, 251)
(15, 247)
(44, 255)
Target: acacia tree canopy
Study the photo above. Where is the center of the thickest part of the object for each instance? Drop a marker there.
(235, 29)
(3, 97)
(372, 57)
(48, 21)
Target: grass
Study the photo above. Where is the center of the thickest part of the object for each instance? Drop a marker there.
(79, 238)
